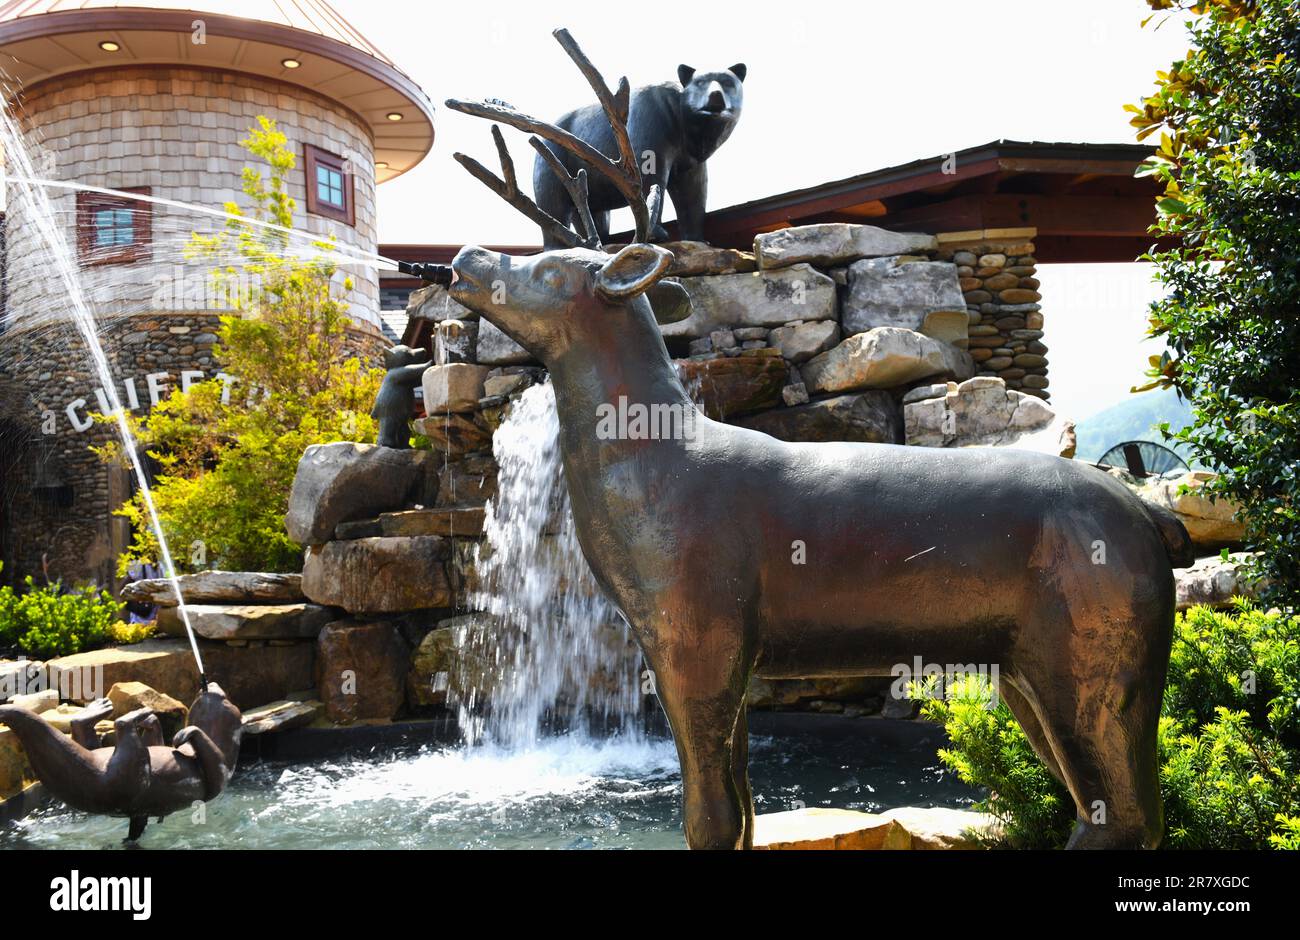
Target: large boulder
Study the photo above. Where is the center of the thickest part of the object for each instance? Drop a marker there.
(454, 387)
(361, 670)
(884, 357)
(343, 481)
(831, 244)
(900, 292)
(248, 621)
(1212, 524)
(870, 416)
(379, 575)
(218, 587)
(766, 298)
(433, 302)
(496, 349)
(982, 411)
(1213, 582)
(736, 384)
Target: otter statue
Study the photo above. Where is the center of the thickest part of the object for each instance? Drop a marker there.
(139, 776)
(396, 398)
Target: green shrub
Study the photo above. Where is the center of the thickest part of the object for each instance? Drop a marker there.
(227, 459)
(45, 622)
(1229, 742)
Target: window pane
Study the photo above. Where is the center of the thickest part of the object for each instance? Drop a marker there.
(113, 228)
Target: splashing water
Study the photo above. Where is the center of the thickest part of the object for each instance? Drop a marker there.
(550, 649)
(58, 258)
(318, 248)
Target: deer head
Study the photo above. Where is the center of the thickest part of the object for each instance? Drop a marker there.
(546, 301)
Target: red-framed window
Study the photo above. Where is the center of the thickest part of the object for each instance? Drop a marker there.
(330, 190)
(114, 229)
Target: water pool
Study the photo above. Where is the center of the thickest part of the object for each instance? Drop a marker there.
(568, 793)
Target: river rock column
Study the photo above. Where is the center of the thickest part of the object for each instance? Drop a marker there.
(999, 283)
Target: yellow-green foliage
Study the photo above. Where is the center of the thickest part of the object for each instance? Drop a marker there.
(227, 467)
(45, 621)
(1229, 742)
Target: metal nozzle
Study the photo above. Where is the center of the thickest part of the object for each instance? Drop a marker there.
(427, 272)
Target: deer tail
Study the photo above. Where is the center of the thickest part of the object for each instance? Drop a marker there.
(1178, 544)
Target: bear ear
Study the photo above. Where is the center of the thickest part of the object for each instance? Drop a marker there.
(739, 70)
(684, 74)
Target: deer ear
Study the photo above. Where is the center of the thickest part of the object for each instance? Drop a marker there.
(632, 271)
(739, 70)
(684, 74)
(669, 301)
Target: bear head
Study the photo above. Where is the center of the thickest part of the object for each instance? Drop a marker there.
(397, 356)
(711, 104)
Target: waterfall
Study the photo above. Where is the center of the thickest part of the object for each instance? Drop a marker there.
(549, 650)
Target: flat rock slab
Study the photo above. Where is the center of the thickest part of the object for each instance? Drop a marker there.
(830, 244)
(450, 521)
(218, 587)
(284, 715)
(343, 481)
(765, 298)
(818, 828)
(884, 357)
(379, 575)
(870, 417)
(249, 621)
(902, 293)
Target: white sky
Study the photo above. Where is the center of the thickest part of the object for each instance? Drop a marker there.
(834, 89)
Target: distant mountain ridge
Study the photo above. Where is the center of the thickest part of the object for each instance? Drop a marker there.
(1132, 420)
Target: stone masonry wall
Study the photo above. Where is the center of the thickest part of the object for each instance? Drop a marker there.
(47, 392)
(1006, 331)
(177, 131)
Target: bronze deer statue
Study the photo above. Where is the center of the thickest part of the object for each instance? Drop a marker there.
(734, 555)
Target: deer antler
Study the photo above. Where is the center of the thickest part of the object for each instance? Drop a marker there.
(623, 172)
(508, 189)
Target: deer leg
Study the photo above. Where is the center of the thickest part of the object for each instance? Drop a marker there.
(1102, 729)
(703, 694)
(740, 773)
(1031, 726)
